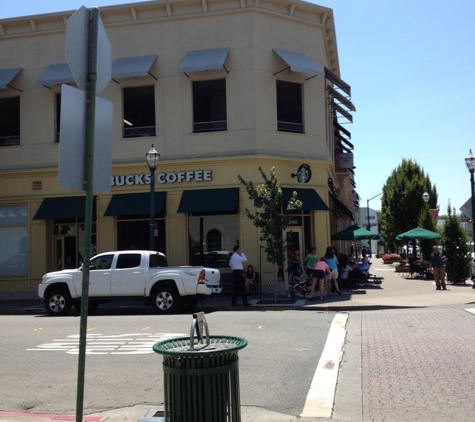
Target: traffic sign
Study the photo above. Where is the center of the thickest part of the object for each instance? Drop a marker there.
(77, 45)
(72, 147)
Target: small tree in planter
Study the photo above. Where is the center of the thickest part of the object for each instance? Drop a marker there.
(270, 216)
(455, 249)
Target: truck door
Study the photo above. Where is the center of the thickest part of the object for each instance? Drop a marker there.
(127, 278)
(100, 275)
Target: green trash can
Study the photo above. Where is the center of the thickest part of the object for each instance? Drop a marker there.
(201, 384)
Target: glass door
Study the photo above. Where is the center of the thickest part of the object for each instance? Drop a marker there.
(295, 243)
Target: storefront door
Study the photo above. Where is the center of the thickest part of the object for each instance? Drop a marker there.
(66, 252)
(296, 243)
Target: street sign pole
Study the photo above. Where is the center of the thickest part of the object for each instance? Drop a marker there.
(90, 126)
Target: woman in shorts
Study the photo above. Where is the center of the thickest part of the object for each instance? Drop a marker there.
(321, 268)
(332, 261)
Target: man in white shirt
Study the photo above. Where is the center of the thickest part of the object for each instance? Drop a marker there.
(236, 264)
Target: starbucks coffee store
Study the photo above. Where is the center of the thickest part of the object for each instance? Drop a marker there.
(215, 107)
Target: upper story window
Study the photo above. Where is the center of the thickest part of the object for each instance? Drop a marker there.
(209, 106)
(139, 111)
(9, 121)
(289, 107)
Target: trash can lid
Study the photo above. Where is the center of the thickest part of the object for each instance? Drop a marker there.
(181, 346)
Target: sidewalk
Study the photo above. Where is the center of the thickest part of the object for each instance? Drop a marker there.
(395, 292)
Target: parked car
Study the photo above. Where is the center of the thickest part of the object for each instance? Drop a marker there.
(129, 274)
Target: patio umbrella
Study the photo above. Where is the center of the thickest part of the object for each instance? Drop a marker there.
(355, 232)
(418, 233)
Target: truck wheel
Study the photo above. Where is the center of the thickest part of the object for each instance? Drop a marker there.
(166, 300)
(91, 307)
(58, 302)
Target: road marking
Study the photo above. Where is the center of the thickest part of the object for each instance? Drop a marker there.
(98, 344)
(320, 397)
(471, 310)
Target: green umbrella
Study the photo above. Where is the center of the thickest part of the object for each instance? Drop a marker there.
(355, 232)
(418, 233)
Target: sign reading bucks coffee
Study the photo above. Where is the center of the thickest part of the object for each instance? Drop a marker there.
(172, 177)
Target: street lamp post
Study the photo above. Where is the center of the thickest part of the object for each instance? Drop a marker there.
(368, 225)
(470, 162)
(152, 160)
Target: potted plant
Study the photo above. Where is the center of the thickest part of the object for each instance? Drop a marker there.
(391, 258)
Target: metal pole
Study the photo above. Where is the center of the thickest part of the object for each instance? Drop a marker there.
(368, 226)
(473, 216)
(90, 123)
(152, 209)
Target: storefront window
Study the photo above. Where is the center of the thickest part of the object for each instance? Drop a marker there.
(135, 234)
(207, 233)
(13, 240)
(69, 242)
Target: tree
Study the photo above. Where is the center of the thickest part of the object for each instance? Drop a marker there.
(269, 215)
(402, 206)
(455, 249)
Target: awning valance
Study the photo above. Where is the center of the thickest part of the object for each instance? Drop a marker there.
(311, 200)
(55, 74)
(337, 81)
(133, 67)
(204, 60)
(299, 63)
(7, 75)
(135, 204)
(207, 201)
(63, 208)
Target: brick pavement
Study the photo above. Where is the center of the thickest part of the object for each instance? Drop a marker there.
(396, 291)
(418, 365)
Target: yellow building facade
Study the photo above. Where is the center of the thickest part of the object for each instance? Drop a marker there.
(220, 88)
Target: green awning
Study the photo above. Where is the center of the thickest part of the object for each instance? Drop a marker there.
(209, 201)
(310, 198)
(63, 208)
(135, 204)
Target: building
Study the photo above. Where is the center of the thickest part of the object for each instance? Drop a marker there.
(219, 88)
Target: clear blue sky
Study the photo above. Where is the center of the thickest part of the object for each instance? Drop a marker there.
(411, 68)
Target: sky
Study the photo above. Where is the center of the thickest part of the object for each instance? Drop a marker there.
(411, 68)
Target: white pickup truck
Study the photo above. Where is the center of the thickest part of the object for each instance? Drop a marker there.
(129, 274)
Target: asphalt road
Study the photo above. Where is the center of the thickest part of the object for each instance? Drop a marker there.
(39, 358)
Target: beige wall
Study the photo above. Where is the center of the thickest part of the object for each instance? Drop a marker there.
(251, 30)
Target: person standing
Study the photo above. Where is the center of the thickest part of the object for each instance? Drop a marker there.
(319, 272)
(310, 260)
(236, 264)
(436, 262)
(332, 261)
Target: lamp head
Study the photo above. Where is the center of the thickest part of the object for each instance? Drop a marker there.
(425, 197)
(470, 162)
(152, 158)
